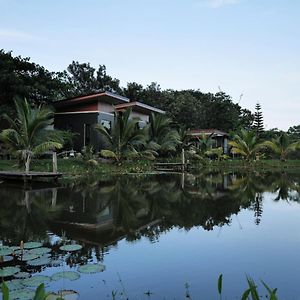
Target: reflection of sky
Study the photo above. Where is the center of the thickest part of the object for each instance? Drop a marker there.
(242, 46)
(269, 251)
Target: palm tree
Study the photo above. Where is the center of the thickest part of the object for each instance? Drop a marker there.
(282, 146)
(125, 138)
(246, 144)
(162, 137)
(28, 134)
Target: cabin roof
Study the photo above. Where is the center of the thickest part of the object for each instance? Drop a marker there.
(214, 132)
(103, 96)
(138, 107)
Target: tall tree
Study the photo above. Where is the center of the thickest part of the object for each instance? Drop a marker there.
(258, 124)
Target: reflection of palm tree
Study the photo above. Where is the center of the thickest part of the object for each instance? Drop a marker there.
(26, 219)
(286, 188)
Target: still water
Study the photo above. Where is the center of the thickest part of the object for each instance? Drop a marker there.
(162, 236)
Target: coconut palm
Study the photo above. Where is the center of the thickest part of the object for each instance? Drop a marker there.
(162, 137)
(246, 144)
(282, 146)
(125, 138)
(28, 134)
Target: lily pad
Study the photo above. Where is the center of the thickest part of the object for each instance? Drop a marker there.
(14, 248)
(31, 245)
(9, 271)
(36, 280)
(65, 294)
(65, 275)
(5, 259)
(5, 251)
(70, 248)
(28, 256)
(40, 251)
(13, 285)
(22, 275)
(24, 294)
(91, 268)
(56, 262)
(43, 260)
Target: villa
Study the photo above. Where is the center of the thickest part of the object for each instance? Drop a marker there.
(80, 114)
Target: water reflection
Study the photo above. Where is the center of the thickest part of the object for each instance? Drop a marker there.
(103, 212)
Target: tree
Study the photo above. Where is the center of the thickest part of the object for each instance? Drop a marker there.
(28, 134)
(84, 79)
(258, 124)
(246, 144)
(282, 146)
(134, 91)
(21, 78)
(125, 138)
(162, 137)
(294, 132)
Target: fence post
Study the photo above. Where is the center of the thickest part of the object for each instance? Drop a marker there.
(54, 162)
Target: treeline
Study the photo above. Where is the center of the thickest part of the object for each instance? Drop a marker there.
(19, 77)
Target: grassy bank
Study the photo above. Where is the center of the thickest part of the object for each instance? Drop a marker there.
(79, 168)
(72, 168)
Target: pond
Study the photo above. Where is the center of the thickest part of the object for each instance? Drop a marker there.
(155, 236)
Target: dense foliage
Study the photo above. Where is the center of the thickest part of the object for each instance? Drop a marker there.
(192, 108)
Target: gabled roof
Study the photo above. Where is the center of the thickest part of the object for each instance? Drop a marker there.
(139, 107)
(103, 96)
(213, 132)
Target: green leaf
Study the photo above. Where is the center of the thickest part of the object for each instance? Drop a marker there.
(246, 294)
(70, 248)
(70, 275)
(31, 245)
(220, 282)
(5, 291)
(40, 293)
(91, 268)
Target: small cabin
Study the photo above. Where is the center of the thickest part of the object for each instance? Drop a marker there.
(219, 138)
(81, 114)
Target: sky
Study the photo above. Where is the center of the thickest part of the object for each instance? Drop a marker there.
(242, 47)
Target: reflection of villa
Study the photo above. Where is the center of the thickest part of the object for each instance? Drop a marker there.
(80, 114)
(220, 138)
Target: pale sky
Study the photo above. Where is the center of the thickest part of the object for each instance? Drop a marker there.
(248, 47)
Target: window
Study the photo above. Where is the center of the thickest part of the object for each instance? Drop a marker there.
(106, 124)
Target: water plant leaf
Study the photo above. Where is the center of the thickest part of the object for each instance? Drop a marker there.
(13, 285)
(63, 294)
(24, 294)
(246, 294)
(40, 251)
(5, 251)
(5, 291)
(70, 248)
(5, 258)
(40, 292)
(220, 281)
(22, 275)
(41, 261)
(65, 275)
(91, 268)
(36, 280)
(31, 245)
(9, 271)
(28, 256)
(56, 262)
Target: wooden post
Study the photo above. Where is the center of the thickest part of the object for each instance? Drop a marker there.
(54, 162)
(182, 159)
